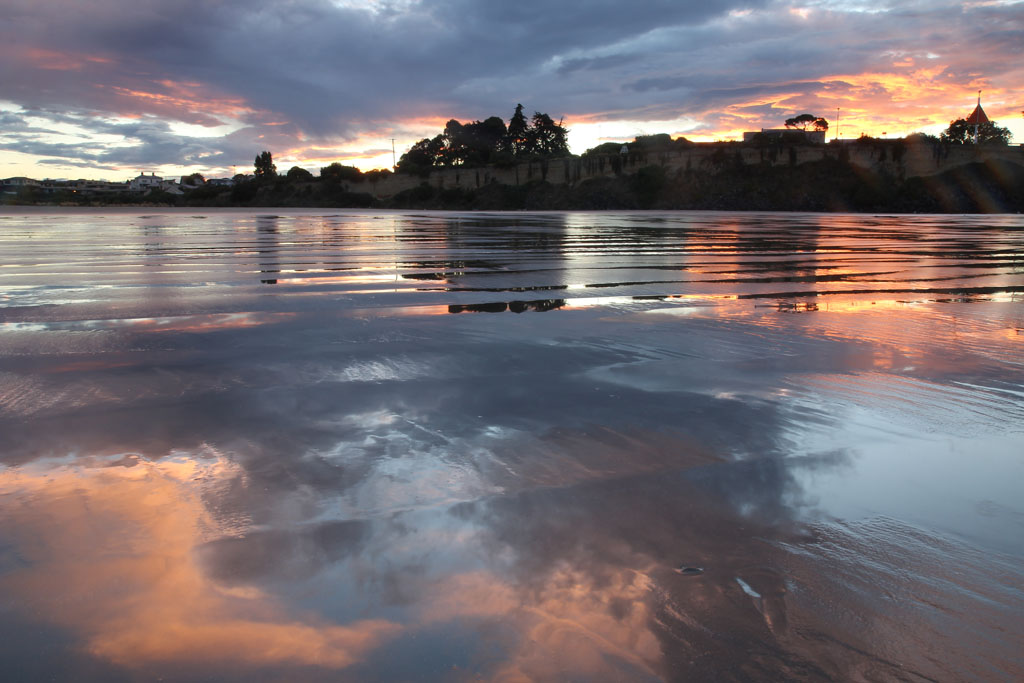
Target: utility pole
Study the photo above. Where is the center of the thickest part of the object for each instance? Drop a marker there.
(394, 164)
(837, 124)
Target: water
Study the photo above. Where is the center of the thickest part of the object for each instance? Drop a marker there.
(391, 446)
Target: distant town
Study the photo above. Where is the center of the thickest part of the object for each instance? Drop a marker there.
(141, 185)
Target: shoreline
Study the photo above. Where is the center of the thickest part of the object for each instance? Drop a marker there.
(992, 186)
(51, 209)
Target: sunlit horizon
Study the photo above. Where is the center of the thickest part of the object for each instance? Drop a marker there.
(79, 104)
(584, 135)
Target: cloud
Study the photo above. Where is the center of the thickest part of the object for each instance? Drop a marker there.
(343, 75)
(118, 537)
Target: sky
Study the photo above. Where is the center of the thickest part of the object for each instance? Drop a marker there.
(110, 88)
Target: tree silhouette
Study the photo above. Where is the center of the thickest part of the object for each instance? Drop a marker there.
(296, 173)
(423, 156)
(341, 173)
(484, 139)
(547, 138)
(265, 167)
(962, 133)
(488, 141)
(804, 121)
(472, 143)
(517, 139)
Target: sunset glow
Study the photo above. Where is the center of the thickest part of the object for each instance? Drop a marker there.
(175, 90)
(170, 610)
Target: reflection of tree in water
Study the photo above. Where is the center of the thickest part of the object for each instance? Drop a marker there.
(540, 306)
(791, 246)
(155, 238)
(727, 249)
(161, 242)
(268, 246)
(495, 242)
(444, 269)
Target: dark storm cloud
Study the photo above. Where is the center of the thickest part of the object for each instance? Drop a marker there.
(321, 64)
(596, 63)
(335, 70)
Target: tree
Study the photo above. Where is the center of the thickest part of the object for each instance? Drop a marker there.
(340, 173)
(265, 168)
(422, 156)
(487, 142)
(472, 143)
(296, 173)
(194, 179)
(453, 150)
(377, 174)
(517, 138)
(606, 148)
(548, 138)
(652, 141)
(482, 139)
(962, 133)
(805, 121)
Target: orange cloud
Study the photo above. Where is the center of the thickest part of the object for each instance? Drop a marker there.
(572, 624)
(873, 102)
(61, 61)
(185, 96)
(110, 554)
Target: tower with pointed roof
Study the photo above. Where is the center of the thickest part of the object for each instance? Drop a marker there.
(977, 118)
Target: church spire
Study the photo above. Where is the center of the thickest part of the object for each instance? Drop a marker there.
(977, 118)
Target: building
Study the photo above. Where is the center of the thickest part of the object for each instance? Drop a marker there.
(145, 183)
(11, 186)
(148, 183)
(95, 187)
(977, 118)
(171, 187)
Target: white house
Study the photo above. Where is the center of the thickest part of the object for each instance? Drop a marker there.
(145, 183)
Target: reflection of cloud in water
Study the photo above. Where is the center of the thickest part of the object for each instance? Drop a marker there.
(569, 627)
(590, 558)
(592, 566)
(383, 370)
(289, 554)
(406, 466)
(119, 542)
(516, 490)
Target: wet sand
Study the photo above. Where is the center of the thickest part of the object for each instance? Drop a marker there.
(621, 446)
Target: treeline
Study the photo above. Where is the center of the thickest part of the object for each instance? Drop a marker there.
(723, 183)
(641, 143)
(827, 185)
(337, 185)
(490, 141)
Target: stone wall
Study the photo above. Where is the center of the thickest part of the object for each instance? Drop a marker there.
(899, 159)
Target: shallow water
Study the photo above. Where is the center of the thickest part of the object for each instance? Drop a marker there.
(390, 446)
